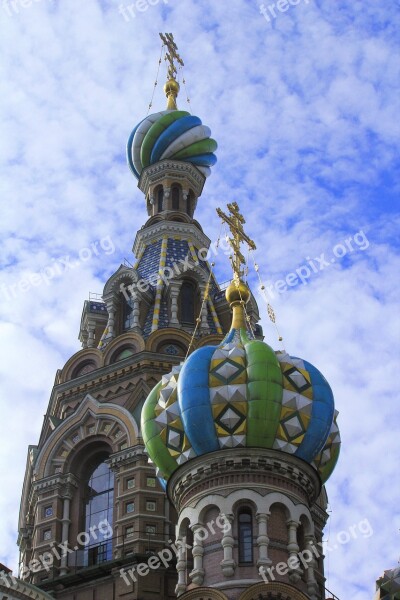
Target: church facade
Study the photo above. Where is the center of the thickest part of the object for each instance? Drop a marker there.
(180, 455)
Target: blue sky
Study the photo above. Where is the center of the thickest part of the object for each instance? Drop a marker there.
(305, 111)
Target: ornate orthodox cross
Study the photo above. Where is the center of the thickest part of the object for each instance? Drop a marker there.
(172, 54)
(235, 222)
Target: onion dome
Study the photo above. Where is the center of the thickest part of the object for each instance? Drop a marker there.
(173, 134)
(241, 394)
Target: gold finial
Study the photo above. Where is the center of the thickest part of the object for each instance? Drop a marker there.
(237, 293)
(171, 88)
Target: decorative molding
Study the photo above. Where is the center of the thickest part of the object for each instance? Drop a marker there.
(187, 231)
(272, 591)
(254, 468)
(171, 169)
(203, 593)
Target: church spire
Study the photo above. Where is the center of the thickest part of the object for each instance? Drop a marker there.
(171, 87)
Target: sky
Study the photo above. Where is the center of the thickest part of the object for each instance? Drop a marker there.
(304, 106)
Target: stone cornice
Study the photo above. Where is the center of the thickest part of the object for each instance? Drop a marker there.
(144, 362)
(243, 468)
(55, 482)
(23, 590)
(127, 456)
(176, 169)
(187, 231)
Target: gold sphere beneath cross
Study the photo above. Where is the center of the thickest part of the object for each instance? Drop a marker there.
(237, 293)
(171, 87)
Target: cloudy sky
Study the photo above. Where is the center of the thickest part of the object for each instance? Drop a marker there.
(305, 109)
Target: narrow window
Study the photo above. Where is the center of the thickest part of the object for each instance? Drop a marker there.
(175, 198)
(245, 536)
(128, 313)
(99, 505)
(160, 198)
(187, 303)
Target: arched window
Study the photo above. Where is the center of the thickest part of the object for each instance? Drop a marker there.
(245, 536)
(187, 303)
(175, 198)
(127, 315)
(84, 368)
(160, 198)
(122, 354)
(99, 502)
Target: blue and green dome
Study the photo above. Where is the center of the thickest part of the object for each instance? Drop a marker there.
(241, 394)
(174, 134)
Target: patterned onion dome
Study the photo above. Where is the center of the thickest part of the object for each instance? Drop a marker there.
(174, 134)
(241, 394)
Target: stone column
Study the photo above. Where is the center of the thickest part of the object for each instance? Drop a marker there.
(135, 312)
(65, 530)
(228, 564)
(111, 320)
(197, 575)
(91, 330)
(174, 293)
(262, 540)
(167, 199)
(181, 568)
(204, 326)
(312, 586)
(293, 548)
(185, 196)
(84, 338)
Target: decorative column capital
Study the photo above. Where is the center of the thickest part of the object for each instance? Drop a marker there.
(262, 517)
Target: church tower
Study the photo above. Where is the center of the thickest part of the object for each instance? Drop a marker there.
(91, 502)
(180, 455)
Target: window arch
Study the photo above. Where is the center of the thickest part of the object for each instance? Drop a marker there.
(83, 368)
(160, 199)
(98, 514)
(187, 303)
(123, 353)
(245, 535)
(175, 197)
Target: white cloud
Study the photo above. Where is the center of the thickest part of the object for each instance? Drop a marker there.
(306, 116)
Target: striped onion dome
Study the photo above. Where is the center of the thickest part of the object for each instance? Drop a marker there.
(241, 394)
(174, 134)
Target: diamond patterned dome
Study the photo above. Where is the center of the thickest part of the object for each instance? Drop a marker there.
(241, 394)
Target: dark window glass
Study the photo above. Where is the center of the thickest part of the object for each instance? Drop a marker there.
(187, 303)
(160, 198)
(245, 537)
(175, 198)
(99, 504)
(128, 313)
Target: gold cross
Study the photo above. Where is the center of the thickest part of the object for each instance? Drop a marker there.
(172, 54)
(235, 222)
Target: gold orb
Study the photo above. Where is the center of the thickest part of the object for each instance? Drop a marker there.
(171, 87)
(236, 293)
